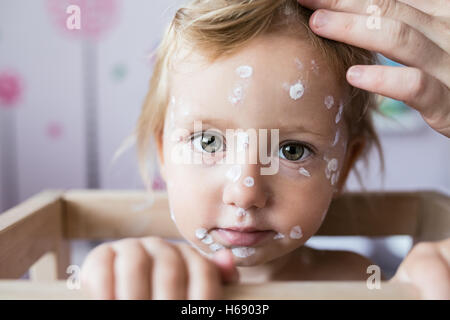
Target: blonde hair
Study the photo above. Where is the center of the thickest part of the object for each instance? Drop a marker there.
(216, 28)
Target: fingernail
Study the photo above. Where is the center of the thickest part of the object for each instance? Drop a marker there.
(355, 73)
(320, 18)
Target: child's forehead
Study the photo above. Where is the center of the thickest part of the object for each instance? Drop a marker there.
(272, 66)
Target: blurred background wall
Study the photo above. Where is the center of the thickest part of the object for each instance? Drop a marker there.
(68, 99)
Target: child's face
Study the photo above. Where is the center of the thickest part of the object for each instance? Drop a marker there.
(287, 87)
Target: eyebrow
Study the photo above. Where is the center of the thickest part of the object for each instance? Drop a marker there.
(222, 123)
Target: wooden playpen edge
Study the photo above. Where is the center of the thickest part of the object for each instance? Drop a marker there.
(292, 290)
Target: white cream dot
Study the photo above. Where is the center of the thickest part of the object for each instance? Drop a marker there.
(329, 102)
(207, 240)
(304, 172)
(278, 236)
(339, 114)
(216, 247)
(336, 138)
(201, 233)
(333, 164)
(296, 232)
(296, 91)
(244, 71)
(249, 182)
(243, 252)
(333, 179)
(298, 63)
(327, 172)
(240, 212)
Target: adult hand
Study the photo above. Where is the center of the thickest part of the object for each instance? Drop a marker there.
(427, 266)
(152, 268)
(415, 33)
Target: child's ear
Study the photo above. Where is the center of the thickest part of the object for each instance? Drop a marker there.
(354, 150)
(160, 154)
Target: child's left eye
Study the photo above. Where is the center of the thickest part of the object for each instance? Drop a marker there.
(294, 151)
(208, 141)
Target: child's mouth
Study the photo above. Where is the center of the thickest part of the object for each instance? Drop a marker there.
(242, 238)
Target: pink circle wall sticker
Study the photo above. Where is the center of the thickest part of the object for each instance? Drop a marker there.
(11, 86)
(96, 17)
(54, 130)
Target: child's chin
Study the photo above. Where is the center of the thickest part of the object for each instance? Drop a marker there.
(249, 261)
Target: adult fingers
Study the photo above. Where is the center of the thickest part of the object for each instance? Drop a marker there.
(437, 8)
(97, 273)
(395, 40)
(418, 89)
(204, 276)
(131, 270)
(169, 276)
(433, 28)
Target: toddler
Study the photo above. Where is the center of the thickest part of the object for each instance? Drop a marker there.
(256, 130)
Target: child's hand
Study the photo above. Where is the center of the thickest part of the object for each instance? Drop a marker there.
(427, 266)
(152, 268)
(413, 33)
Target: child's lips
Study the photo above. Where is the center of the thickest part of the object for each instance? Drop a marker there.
(241, 238)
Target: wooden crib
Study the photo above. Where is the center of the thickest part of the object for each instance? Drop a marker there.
(35, 236)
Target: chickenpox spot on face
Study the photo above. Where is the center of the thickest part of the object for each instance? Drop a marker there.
(244, 72)
(304, 172)
(240, 212)
(333, 164)
(234, 173)
(329, 102)
(237, 95)
(314, 66)
(296, 90)
(296, 232)
(336, 138)
(201, 233)
(331, 167)
(339, 114)
(278, 236)
(207, 239)
(216, 247)
(298, 63)
(243, 252)
(335, 178)
(249, 182)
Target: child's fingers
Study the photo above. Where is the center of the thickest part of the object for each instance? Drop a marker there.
(204, 276)
(132, 270)
(425, 268)
(224, 260)
(97, 273)
(169, 276)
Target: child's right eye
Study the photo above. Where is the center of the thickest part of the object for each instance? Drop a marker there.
(210, 142)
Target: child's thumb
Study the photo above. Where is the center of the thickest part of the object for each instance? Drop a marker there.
(224, 260)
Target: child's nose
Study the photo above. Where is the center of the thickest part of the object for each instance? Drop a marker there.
(249, 191)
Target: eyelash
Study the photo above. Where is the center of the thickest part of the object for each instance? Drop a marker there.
(305, 145)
